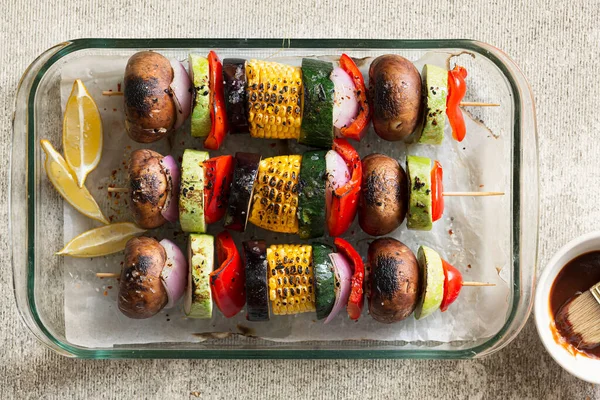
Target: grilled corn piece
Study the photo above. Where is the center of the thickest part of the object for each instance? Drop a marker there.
(274, 100)
(275, 199)
(291, 278)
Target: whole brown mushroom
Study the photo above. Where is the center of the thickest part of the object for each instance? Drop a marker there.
(395, 92)
(148, 185)
(384, 195)
(394, 282)
(150, 112)
(141, 290)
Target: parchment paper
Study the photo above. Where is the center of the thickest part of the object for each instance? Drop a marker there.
(473, 235)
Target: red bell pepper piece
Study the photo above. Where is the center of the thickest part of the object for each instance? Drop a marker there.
(453, 283)
(344, 200)
(457, 88)
(218, 115)
(437, 190)
(228, 282)
(357, 129)
(218, 173)
(357, 295)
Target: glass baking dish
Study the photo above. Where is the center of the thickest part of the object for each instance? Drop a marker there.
(36, 210)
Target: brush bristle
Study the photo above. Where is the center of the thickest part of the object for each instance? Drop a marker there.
(579, 321)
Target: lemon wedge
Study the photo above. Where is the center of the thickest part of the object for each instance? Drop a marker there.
(101, 241)
(82, 132)
(65, 182)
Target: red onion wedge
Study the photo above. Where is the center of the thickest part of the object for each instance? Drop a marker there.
(338, 175)
(171, 208)
(345, 103)
(182, 92)
(343, 280)
(175, 272)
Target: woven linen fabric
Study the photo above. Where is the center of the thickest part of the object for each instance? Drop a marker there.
(557, 45)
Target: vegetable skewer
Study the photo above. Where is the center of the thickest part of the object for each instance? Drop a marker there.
(312, 103)
(285, 279)
(461, 104)
(308, 194)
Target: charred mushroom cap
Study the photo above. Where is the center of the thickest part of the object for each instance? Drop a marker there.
(141, 291)
(395, 92)
(394, 280)
(148, 183)
(150, 112)
(384, 195)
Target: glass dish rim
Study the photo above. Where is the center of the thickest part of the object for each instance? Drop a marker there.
(71, 46)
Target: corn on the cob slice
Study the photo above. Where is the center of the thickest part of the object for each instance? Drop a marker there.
(274, 100)
(291, 278)
(275, 199)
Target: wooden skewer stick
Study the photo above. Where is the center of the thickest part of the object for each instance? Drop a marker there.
(478, 284)
(478, 104)
(455, 194)
(117, 276)
(462, 104)
(117, 190)
(473, 194)
(110, 275)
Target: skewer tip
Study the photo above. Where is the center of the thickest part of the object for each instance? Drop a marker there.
(117, 190)
(107, 275)
(473, 194)
(478, 104)
(478, 284)
(111, 93)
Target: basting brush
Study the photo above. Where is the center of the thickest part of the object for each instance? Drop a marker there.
(579, 320)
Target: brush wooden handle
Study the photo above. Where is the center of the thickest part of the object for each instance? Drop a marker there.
(596, 292)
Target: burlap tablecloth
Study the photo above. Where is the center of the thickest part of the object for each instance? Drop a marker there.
(556, 43)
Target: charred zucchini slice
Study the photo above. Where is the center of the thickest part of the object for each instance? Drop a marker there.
(324, 279)
(198, 298)
(311, 199)
(419, 193)
(317, 118)
(432, 280)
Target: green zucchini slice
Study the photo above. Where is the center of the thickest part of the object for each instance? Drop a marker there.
(324, 279)
(199, 70)
(198, 299)
(418, 216)
(191, 194)
(436, 85)
(317, 117)
(311, 198)
(432, 280)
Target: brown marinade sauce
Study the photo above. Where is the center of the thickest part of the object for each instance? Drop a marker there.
(578, 276)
